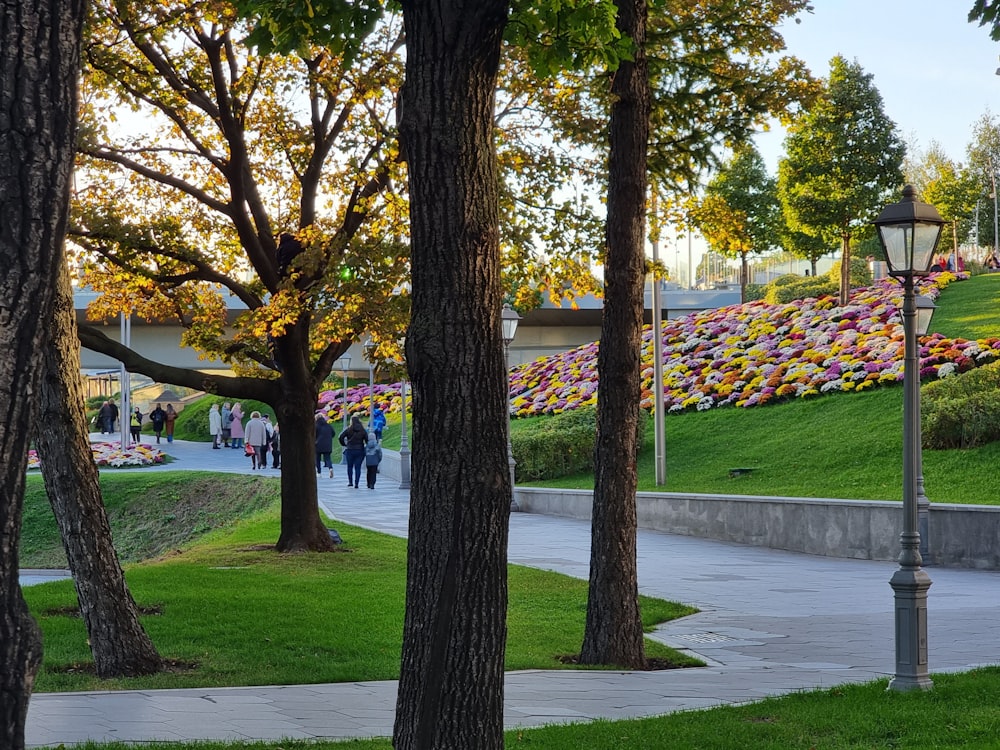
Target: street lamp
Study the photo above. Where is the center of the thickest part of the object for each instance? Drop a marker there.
(369, 355)
(909, 232)
(509, 320)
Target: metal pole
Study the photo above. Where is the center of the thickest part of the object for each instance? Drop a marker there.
(910, 582)
(656, 341)
(125, 413)
(511, 463)
(404, 443)
(996, 231)
(344, 394)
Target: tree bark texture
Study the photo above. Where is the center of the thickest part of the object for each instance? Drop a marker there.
(39, 65)
(293, 396)
(118, 642)
(454, 633)
(613, 633)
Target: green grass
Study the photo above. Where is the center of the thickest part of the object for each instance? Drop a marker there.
(228, 610)
(960, 712)
(149, 514)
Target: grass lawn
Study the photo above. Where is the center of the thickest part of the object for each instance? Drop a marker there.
(227, 610)
(960, 712)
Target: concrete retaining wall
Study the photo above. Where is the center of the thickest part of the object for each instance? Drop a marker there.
(965, 536)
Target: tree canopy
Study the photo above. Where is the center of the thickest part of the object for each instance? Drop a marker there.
(843, 162)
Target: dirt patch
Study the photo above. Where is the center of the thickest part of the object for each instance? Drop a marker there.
(652, 665)
(171, 666)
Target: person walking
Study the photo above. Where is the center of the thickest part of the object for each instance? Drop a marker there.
(276, 447)
(227, 424)
(354, 439)
(324, 444)
(266, 419)
(373, 457)
(215, 425)
(114, 414)
(157, 417)
(236, 428)
(256, 438)
(104, 418)
(378, 421)
(135, 426)
(169, 422)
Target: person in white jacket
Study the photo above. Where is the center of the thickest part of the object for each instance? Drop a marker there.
(215, 425)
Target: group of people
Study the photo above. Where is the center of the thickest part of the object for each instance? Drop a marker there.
(952, 262)
(360, 447)
(161, 419)
(258, 437)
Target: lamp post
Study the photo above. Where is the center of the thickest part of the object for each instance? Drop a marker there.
(908, 232)
(369, 355)
(509, 320)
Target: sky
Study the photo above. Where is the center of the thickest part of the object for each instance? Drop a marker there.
(936, 73)
(935, 70)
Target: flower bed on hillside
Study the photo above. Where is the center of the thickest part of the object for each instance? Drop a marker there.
(743, 355)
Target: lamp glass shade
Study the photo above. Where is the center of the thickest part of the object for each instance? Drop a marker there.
(925, 311)
(509, 319)
(909, 232)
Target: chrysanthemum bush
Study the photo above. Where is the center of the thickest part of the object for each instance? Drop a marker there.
(743, 356)
(110, 454)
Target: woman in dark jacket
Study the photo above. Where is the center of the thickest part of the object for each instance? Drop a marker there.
(324, 444)
(354, 439)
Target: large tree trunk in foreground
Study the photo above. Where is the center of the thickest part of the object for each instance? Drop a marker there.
(39, 64)
(613, 633)
(454, 633)
(120, 645)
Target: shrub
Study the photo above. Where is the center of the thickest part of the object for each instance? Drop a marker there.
(861, 275)
(755, 292)
(561, 446)
(800, 288)
(962, 411)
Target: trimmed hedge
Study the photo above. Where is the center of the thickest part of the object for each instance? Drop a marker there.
(962, 411)
(561, 446)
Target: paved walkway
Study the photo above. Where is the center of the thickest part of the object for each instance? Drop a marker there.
(771, 623)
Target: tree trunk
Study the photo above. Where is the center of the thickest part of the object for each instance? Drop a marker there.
(845, 270)
(120, 645)
(613, 633)
(39, 60)
(454, 632)
(302, 527)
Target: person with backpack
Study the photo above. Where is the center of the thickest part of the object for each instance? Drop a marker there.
(227, 424)
(378, 421)
(135, 426)
(158, 417)
(373, 457)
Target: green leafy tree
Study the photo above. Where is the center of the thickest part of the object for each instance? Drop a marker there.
(949, 187)
(237, 149)
(983, 155)
(843, 163)
(740, 213)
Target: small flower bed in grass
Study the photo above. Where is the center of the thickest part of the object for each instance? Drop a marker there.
(111, 455)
